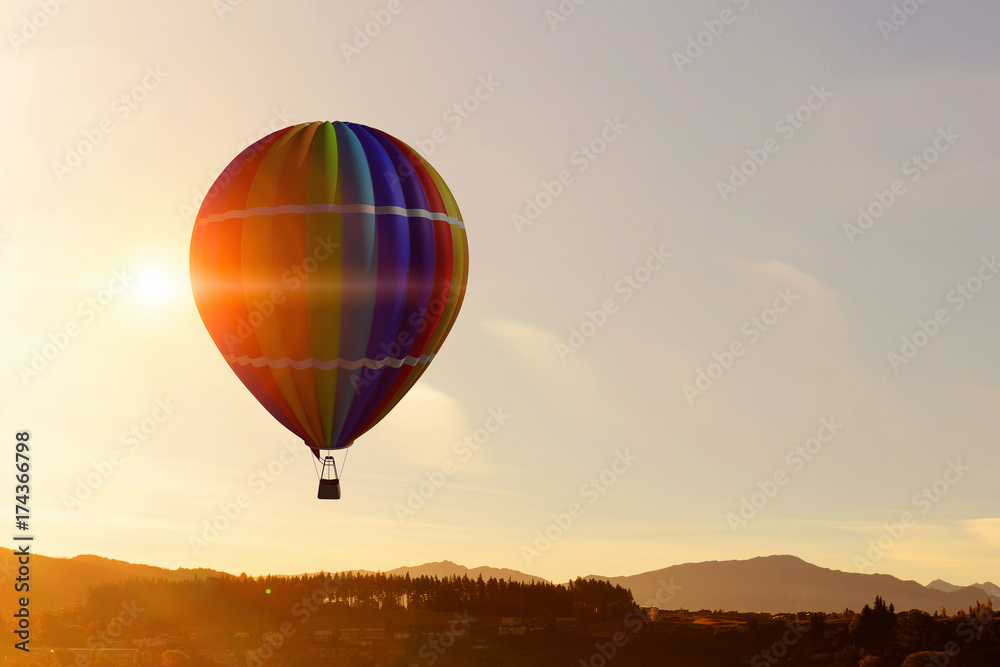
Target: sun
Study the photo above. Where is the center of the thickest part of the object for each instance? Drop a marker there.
(157, 286)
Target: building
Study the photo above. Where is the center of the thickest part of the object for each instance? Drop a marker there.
(512, 625)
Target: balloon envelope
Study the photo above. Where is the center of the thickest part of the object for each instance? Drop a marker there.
(329, 262)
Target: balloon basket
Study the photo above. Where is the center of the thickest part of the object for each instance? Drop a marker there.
(329, 489)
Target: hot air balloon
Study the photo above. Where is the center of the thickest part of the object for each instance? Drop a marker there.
(328, 263)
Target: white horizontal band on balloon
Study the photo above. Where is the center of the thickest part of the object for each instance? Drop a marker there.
(303, 364)
(330, 208)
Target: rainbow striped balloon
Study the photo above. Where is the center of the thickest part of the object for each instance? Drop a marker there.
(329, 262)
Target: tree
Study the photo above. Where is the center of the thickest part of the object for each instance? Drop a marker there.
(873, 627)
(917, 630)
(817, 624)
(848, 656)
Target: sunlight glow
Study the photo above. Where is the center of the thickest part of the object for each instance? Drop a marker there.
(158, 287)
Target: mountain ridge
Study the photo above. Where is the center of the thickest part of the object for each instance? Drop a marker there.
(989, 587)
(783, 583)
(776, 583)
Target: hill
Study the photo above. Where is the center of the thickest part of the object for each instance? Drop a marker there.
(63, 582)
(777, 584)
(989, 587)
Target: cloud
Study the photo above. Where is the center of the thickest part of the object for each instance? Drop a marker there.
(984, 530)
(421, 428)
(528, 341)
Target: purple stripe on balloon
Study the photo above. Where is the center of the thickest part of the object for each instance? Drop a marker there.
(419, 285)
(393, 253)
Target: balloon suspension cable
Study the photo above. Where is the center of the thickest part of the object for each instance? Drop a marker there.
(343, 466)
(328, 460)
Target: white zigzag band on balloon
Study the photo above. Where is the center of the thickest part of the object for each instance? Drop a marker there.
(330, 208)
(303, 364)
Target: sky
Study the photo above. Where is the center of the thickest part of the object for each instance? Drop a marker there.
(733, 283)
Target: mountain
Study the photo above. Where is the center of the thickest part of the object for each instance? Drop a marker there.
(989, 587)
(940, 585)
(446, 568)
(771, 584)
(63, 582)
(783, 584)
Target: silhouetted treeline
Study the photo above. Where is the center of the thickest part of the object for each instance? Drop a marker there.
(238, 615)
(253, 603)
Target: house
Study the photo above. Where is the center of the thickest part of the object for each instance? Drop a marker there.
(512, 625)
